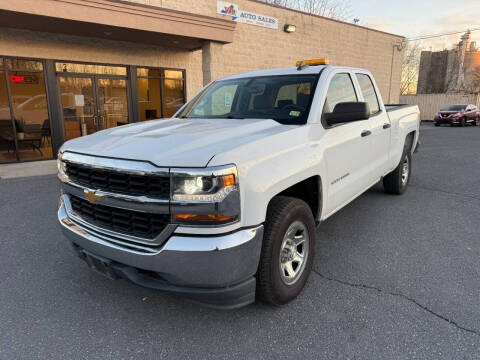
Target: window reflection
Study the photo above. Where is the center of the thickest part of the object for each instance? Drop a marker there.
(174, 74)
(174, 96)
(159, 90)
(20, 64)
(32, 122)
(149, 72)
(149, 105)
(91, 69)
(112, 103)
(78, 106)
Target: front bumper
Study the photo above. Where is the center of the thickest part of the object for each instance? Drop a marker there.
(215, 270)
(447, 120)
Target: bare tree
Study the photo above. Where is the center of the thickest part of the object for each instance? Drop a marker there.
(334, 9)
(410, 68)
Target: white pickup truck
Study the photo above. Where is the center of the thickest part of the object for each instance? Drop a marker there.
(221, 202)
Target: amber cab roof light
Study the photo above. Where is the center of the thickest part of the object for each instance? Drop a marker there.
(302, 64)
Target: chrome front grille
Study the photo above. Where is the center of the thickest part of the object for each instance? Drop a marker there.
(119, 182)
(123, 221)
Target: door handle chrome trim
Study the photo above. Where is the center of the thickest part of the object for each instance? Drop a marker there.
(366, 133)
(386, 125)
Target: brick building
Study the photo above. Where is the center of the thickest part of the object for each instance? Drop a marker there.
(450, 71)
(72, 67)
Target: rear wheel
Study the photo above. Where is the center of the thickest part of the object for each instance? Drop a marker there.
(474, 122)
(288, 250)
(397, 181)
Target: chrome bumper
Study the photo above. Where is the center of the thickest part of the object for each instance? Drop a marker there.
(194, 261)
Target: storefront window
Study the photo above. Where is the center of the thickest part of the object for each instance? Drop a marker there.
(174, 74)
(149, 95)
(7, 139)
(90, 69)
(161, 92)
(149, 72)
(22, 64)
(173, 98)
(23, 94)
(29, 102)
(78, 106)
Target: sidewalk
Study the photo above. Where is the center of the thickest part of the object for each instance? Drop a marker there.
(27, 169)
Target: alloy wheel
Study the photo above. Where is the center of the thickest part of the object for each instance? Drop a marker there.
(294, 252)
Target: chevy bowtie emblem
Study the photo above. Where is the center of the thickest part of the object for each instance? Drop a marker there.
(91, 196)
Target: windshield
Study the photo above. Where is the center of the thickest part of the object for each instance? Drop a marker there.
(285, 99)
(454, 108)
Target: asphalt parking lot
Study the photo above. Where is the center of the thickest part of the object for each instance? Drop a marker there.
(396, 277)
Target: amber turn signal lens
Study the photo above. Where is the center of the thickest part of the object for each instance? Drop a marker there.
(228, 180)
(203, 218)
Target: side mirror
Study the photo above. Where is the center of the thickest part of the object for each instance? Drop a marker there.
(347, 112)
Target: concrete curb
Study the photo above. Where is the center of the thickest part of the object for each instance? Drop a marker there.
(28, 169)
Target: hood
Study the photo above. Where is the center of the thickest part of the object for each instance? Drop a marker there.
(175, 142)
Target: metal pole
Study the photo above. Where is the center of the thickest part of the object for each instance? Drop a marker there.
(391, 75)
(12, 113)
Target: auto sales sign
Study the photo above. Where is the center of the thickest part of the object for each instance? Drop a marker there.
(229, 9)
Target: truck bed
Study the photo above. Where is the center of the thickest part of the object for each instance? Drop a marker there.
(393, 107)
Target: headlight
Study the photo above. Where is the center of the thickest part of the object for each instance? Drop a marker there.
(456, 114)
(61, 166)
(203, 188)
(205, 196)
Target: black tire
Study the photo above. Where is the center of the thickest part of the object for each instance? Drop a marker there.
(462, 123)
(393, 182)
(474, 123)
(282, 213)
(437, 124)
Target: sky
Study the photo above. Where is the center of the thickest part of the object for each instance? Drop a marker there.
(413, 18)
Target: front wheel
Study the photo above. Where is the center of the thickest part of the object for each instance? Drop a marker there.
(397, 181)
(288, 250)
(463, 121)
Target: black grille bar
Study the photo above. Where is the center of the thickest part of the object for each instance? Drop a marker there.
(154, 186)
(129, 222)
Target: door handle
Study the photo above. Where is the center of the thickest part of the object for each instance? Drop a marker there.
(366, 133)
(386, 125)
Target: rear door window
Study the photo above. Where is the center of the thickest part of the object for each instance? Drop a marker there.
(369, 93)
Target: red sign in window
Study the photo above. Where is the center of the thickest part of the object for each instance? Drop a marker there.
(17, 78)
(24, 79)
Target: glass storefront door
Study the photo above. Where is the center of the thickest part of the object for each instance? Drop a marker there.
(112, 108)
(92, 103)
(78, 106)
